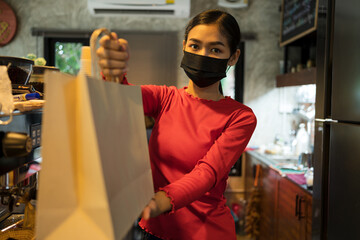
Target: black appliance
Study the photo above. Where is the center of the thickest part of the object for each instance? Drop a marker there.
(20, 157)
(336, 191)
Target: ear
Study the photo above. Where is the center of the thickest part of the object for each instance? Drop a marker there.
(184, 44)
(234, 58)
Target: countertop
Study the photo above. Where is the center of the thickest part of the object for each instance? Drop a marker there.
(276, 162)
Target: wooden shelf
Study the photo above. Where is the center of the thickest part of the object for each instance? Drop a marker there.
(306, 76)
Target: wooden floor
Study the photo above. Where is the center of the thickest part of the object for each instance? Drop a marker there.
(238, 237)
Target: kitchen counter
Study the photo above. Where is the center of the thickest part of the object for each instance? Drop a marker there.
(285, 205)
(283, 165)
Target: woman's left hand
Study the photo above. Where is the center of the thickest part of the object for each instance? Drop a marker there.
(159, 204)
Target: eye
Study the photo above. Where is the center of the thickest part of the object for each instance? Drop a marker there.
(215, 50)
(194, 46)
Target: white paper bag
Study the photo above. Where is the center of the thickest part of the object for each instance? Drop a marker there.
(96, 177)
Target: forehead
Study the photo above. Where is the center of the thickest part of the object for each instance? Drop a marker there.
(207, 33)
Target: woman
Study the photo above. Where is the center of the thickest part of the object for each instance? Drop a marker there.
(198, 134)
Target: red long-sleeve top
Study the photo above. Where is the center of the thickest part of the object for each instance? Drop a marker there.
(193, 145)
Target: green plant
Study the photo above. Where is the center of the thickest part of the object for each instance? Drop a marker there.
(67, 57)
(37, 61)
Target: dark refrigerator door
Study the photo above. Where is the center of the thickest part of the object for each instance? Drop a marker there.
(320, 188)
(344, 182)
(346, 61)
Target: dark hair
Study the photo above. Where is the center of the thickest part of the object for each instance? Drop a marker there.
(228, 25)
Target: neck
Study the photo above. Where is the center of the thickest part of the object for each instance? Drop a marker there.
(209, 93)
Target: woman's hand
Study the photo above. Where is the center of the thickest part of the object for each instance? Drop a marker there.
(113, 55)
(159, 204)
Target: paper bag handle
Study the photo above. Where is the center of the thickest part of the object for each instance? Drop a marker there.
(1, 106)
(7, 121)
(95, 71)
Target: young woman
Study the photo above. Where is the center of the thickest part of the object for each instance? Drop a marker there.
(198, 134)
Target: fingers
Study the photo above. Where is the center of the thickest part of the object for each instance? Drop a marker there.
(159, 204)
(113, 55)
(151, 210)
(146, 213)
(113, 72)
(109, 42)
(124, 45)
(113, 43)
(111, 64)
(113, 35)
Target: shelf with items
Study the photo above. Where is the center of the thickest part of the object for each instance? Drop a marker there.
(299, 63)
(298, 37)
(303, 77)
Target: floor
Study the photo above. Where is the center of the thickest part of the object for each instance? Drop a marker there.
(243, 237)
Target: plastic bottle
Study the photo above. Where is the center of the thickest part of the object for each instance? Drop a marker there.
(302, 140)
(85, 61)
(309, 176)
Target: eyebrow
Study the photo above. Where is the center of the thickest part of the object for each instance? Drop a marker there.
(211, 43)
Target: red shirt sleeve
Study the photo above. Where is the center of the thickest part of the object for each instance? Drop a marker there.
(216, 164)
(154, 98)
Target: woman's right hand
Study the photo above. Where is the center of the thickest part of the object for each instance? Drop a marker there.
(113, 55)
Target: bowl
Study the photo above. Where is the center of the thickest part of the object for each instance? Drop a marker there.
(19, 69)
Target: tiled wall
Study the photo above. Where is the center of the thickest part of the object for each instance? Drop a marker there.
(262, 55)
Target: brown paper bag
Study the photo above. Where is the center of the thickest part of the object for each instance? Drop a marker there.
(96, 177)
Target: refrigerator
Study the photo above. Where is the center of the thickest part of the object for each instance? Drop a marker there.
(336, 190)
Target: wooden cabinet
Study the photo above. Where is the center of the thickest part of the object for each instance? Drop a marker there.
(269, 182)
(294, 211)
(286, 208)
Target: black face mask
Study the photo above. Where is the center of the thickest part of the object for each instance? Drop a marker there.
(202, 70)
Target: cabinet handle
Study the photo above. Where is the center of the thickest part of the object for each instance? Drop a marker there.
(301, 200)
(297, 205)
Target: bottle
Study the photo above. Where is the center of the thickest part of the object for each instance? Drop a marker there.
(302, 140)
(85, 61)
(309, 176)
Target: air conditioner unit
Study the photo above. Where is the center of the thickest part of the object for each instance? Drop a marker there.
(233, 3)
(162, 8)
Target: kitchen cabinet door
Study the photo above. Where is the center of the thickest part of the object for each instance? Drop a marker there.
(286, 208)
(294, 212)
(269, 191)
(308, 218)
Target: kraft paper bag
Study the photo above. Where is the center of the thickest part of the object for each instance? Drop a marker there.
(95, 177)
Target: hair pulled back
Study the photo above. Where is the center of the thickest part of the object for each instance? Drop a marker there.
(227, 24)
